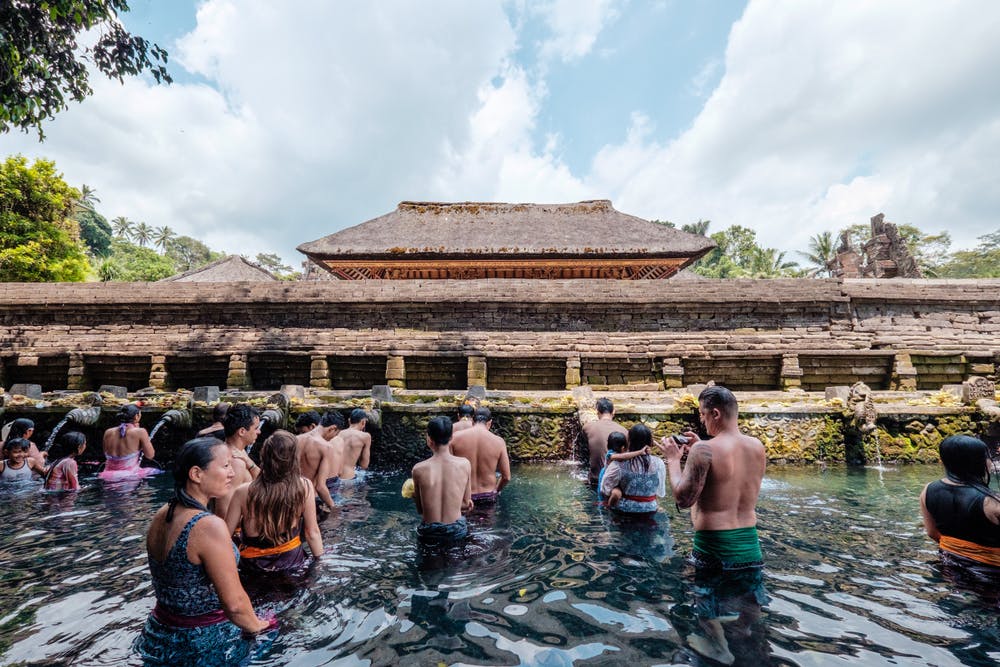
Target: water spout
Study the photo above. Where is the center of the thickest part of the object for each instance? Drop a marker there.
(82, 416)
(275, 418)
(177, 418)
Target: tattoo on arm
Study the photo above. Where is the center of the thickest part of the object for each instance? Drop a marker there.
(695, 473)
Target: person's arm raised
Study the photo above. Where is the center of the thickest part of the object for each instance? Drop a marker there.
(688, 484)
(214, 550)
(146, 445)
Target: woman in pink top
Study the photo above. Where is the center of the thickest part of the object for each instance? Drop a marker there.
(62, 475)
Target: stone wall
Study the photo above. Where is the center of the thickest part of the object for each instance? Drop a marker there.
(514, 334)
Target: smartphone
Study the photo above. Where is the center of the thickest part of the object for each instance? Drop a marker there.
(679, 439)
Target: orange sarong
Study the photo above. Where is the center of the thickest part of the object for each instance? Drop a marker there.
(247, 551)
(971, 550)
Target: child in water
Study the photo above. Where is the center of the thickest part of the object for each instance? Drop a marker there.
(617, 444)
(62, 475)
(17, 466)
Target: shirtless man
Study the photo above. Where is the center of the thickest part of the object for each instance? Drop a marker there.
(242, 426)
(306, 422)
(721, 482)
(465, 414)
(216, 429)
(357, 445)
(597, 433)
(487, 453)
(321, 453)
(442, 488)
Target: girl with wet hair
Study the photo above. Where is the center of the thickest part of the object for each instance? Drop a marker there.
(62, 474)
(201, 606)
(22, 427)
(17, 467)
(275, 511)
(960, 512)
(125, 445)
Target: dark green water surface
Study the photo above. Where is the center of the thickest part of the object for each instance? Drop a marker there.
(547, 579)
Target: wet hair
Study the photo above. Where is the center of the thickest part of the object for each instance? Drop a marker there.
(334, 418)
(238, 416)
(68, 444)
(965, 460)
(197, 453)
(219, 411)
(720, 398)
(617, 442)
(20, 427)
(309, 418)
(465, 410)
(16, 443)
(276, 497)
(604, 406)
(640, 436)
(482, 416)
(357, 415)
(439, 429)
(127, 413)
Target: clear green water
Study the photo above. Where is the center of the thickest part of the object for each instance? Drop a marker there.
(547, 580)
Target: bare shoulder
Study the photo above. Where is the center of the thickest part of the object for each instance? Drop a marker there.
(210, 527)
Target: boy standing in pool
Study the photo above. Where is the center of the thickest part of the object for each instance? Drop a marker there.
(442, 488)
(720, 483)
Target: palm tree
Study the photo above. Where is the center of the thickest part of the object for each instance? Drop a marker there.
(770, 263)
(88, 197)
(163, 236)
(700, 228)
(142, 234)
(122, 227)
(822, 251)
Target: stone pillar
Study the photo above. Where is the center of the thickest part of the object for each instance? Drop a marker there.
(673, 373)
(3, 376)
(76, 377)
(904, 374)
(158, 378)
(319, 372)
(395, 372)
(476, 372)
(572, 372)
(791, 374)
(239, 375)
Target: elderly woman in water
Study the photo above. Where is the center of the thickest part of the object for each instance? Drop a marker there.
(201, 607)
(960, 511)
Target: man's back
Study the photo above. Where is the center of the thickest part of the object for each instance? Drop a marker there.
(597, 433)
(310, 446)
(729, 497)
(486, 453)
(440, 485)
(357, 444)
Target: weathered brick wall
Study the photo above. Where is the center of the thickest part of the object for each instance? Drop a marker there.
(267, 333)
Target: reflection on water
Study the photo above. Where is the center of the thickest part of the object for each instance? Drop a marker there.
(547, 578)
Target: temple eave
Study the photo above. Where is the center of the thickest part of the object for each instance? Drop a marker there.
(471, 269)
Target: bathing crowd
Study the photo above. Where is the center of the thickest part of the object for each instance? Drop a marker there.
(231, 514)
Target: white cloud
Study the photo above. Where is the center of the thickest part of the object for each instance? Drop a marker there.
(574, 26)
(828, 114)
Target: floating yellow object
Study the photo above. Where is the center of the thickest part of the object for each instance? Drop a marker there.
(522, 592)
(407, 490)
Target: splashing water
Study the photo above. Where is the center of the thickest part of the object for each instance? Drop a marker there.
(55, 432)
(157, 427)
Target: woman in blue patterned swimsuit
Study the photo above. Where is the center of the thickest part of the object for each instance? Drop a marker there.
(201, 607)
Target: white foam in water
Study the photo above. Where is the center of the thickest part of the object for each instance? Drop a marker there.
(515, 610)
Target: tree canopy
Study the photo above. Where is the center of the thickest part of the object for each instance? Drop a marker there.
(42, 66)
(39, 240)
(95, 231)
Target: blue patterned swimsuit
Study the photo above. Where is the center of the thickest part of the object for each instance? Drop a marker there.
(183, 588)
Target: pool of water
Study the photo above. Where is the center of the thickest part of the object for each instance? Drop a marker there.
(547, 579)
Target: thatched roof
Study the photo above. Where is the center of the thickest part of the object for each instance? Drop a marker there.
(231, 268)
(434, 230)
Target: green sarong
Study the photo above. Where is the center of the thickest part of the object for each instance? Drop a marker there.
(729, 547)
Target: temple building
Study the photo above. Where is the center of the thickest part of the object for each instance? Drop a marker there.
(471, 240)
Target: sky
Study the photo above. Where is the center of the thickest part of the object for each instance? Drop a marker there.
(290, 121)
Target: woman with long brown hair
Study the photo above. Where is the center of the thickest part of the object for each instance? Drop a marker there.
(275, 511)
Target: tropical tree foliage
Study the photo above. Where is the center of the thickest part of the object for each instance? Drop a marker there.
(95, 231)
(822, 251)
(42, 67)
(162, 236)
(132, 263)
(187, 253)
(142, 234)
(273, 263)
(39, 240)
(738, 255)
(122, 227)
(983, 261)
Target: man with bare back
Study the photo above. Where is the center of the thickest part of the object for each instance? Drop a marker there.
(442, 488)
(597, 433)
(465, 415)
(357, 446)
(321, 455)
(487, 453)
(720, 483)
